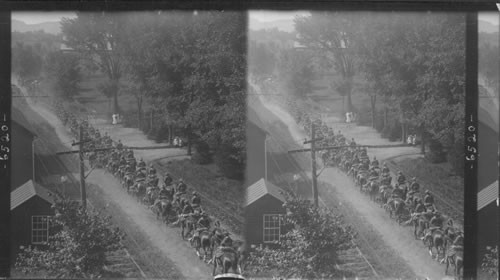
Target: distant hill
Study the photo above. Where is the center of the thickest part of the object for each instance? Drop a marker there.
(487, 27)
(282, 24)
(53, 27)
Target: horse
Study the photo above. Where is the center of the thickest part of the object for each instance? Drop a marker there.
(420, 224)
(374, 187)
(226, 259)
(186, 222)
(139, 189)
(395, 206)
(202, 240)
(457, 259)
(435, 240)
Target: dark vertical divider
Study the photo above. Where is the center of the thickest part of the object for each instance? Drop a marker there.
(5, 143)
(471, 129)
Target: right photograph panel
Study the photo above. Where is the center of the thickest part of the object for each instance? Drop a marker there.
(355, 137)
(487, 204)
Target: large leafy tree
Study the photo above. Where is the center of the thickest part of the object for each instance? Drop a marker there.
(78, 242)
(94, 35)
(65, 70)
(331, 34)
(311, 245)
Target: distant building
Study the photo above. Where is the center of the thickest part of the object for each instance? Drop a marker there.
(264, 212)
(21, 150)
(31, 208)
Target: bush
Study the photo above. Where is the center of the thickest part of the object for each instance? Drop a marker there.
(392, 131)
(379, 123)
(456, 158)
(201, 153)
(161, 134)
(435, 153)
(229, 166)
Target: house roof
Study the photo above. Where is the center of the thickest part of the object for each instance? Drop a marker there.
(487, 195)
(254, 120)
(259, 189)
(28, 190)
(18, 117)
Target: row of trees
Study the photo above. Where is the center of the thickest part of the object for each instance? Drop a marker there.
(410, 65)
(190, 67)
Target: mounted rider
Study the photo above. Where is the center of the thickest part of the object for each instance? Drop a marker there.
(188, 209)
(196, 200)
(435, 223)
(385, 169)
(456, 246)
(401, 178)
(414, 186)
(119, 145)
(375, 162)
(397, 192)
(428, 199)
(419, 207)
(181, 187)
(167, 179)
(141, 164)
(152, 170)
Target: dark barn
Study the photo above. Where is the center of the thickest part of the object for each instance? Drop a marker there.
(263, 212)
(22, 150)
(30, 207)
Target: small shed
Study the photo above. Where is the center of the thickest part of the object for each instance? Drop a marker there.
(30, 208)
(263, 212)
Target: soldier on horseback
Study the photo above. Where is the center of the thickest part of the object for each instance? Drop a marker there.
(188, 209)
(435, 223)
(141, 164)
(167, 179)
(414, 187)
(429, 200)
(181, 187)
(397, 192)
(385, 169)
(419, 208)
(152, 170)
(119, 145)
(375, 162)
(401, 178)
(195, 200)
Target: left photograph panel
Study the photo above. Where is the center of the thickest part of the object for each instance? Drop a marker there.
(129, 144)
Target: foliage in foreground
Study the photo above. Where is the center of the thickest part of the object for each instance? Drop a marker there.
(309, 248)
(77, 244)
(490, 261)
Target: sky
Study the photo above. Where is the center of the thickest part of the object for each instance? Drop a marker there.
(40, 16)
(263, 15)
(491, 17)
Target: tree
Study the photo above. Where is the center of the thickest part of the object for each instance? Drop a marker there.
(64, 68)
(26, 62)
(331, 34)
(94, 35)
(309, 248)
(77, 243)
(296, 72)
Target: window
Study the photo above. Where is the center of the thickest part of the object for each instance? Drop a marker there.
(39, 229)
(272, 223)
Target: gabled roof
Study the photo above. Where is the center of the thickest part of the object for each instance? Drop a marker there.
(260, 189)
(487, 195)
(28, 190)
(18, 117)
(254, 120)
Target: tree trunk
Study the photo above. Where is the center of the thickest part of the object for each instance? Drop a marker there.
(188, 136)
(423, 139)
(349, 101)
(373, 100)
(385, 117)
(403, 132)
(169, 133)
(139, 112)
(151, 124)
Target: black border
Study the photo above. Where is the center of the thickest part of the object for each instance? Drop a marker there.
(471, 7)
(5, 105)
(471, 120)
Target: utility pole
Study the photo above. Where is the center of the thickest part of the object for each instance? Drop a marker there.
(82, 170)
(313, 157)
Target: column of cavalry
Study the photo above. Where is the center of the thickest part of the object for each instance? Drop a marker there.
(404, 200)
(170, 201)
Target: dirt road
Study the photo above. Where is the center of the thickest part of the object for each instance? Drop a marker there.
(166, 239)
(398, 238)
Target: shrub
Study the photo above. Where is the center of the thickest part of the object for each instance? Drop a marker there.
(392, 131)
(455, 158)
(201, 153)
(228, 165)
(435, 153)
(161, 134)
